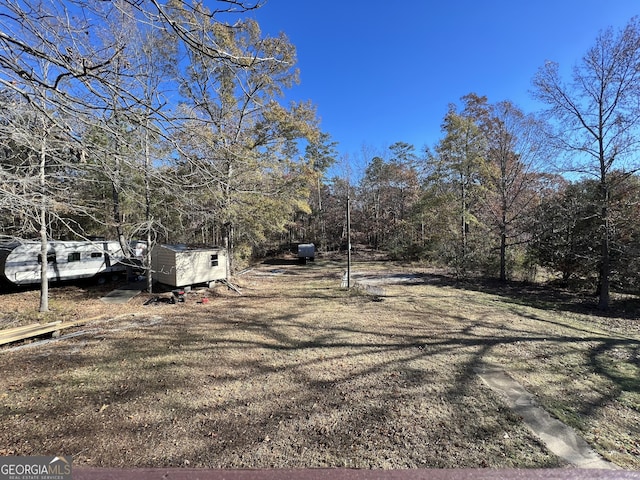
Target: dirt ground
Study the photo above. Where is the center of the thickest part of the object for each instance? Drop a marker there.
(299, 372)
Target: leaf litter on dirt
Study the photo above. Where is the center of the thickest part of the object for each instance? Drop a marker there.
(298, 372)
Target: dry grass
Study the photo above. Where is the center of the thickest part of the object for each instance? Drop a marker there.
(298, 372)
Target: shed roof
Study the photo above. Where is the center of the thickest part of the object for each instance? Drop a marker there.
(187, 248)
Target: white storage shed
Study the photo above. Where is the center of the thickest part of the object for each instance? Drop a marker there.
(306, 251)
(181, 266)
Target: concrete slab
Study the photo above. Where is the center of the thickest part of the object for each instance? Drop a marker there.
(120, 296)
(559, 438)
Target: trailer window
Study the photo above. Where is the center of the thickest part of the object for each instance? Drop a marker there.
(51, 258)
(73, 257)
(96, 254)
(214, 260)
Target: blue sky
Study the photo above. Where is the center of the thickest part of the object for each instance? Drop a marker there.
(380, 72)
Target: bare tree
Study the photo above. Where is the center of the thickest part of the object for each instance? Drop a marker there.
(156, 62)
(37, 65)
(36, 176)
(510, 174)
(598, 115)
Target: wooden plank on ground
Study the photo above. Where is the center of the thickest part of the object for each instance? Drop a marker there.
(231, 286)
(25, 328)
(11, 335)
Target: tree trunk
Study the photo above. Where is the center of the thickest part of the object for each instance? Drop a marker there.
(228, 245)
(44, 280)
(116, 179)
(503, 255)
(605, 260)
(323, 226)
(117, 213)
(503, 235)
(463, 226)
(44, 244)
(147, 200)
(147, 261)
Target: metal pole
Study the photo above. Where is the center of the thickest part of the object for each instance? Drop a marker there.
(348, 239)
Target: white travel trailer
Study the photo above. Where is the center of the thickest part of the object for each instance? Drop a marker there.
(181, 266)
(20, 261)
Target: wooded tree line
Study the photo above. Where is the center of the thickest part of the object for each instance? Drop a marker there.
(504, 193)
(495, 216)
(165, 122)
